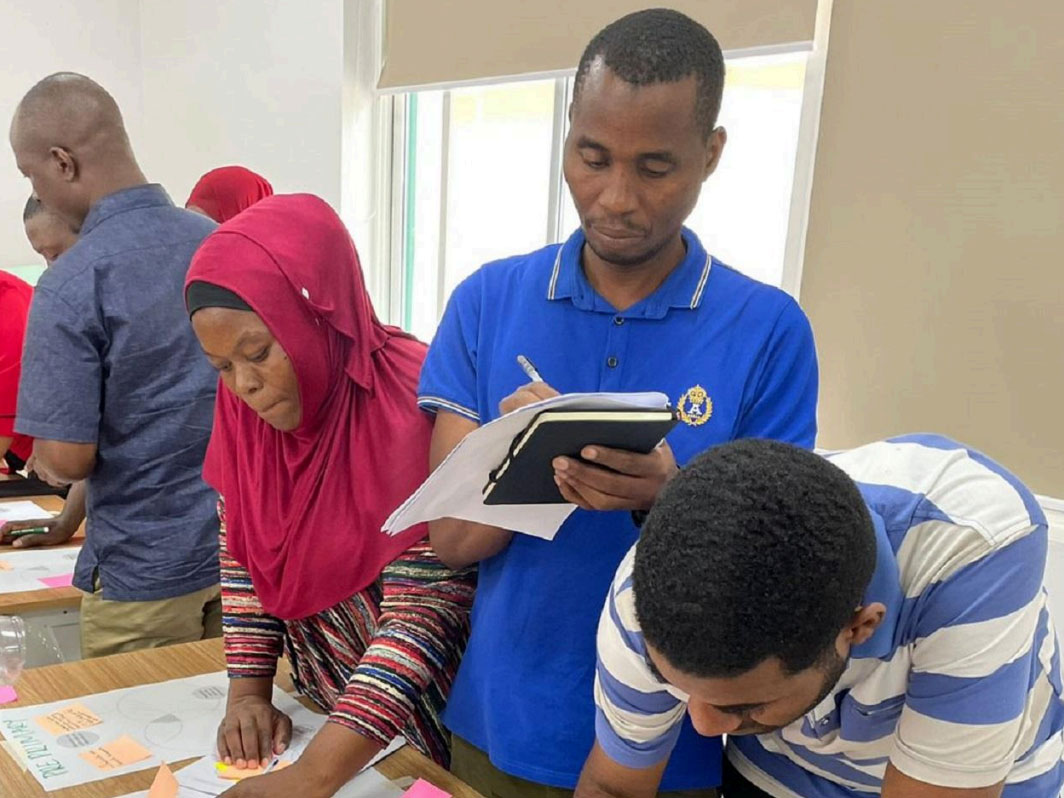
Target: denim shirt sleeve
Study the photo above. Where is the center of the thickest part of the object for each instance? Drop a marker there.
(61, 389)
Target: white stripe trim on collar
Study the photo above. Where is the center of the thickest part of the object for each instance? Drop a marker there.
(696, 300)
(555, 272)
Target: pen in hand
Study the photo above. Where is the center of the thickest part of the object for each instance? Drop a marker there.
(529, 369)
(37, 530)
(537, 390)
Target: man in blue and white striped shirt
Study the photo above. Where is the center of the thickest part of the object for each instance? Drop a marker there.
(869, 623)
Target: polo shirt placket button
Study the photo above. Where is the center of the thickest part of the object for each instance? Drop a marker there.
(612, 362)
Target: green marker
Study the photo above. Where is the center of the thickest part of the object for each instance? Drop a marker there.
(35, 530)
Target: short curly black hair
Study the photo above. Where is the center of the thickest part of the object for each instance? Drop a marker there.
(757, 549)
(660, 45)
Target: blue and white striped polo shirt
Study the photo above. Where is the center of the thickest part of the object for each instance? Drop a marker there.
(960, 686)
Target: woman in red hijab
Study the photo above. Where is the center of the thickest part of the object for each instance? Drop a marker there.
(317, 438)
(224, 192)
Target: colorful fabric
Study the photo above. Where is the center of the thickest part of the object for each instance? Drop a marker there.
(381, 661)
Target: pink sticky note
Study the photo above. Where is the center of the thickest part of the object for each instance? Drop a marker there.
(66, 580)
(8, 694)
(422, 789)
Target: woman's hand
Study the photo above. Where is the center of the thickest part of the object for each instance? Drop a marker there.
(285, 783)
(252, 732)
(331, 760)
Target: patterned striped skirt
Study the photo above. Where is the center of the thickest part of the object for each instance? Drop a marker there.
(381, 663)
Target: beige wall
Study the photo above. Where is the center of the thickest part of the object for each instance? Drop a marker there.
(933, 268)
(429, 41)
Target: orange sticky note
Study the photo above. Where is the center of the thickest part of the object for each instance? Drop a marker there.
(233, 773)
(116, 754)
(165, 785)
(68, 719)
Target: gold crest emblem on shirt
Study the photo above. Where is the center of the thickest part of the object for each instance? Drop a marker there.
(694, 407)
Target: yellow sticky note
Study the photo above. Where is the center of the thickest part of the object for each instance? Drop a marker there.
(233, 773)
(68, 719)
(116, 754)
(165, 785)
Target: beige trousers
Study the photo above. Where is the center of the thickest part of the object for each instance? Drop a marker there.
(112, 627)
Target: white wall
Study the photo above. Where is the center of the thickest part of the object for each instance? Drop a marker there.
(98, 38)
(200, 83)
(253, 82)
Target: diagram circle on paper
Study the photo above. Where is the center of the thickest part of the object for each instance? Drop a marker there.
(78, 739)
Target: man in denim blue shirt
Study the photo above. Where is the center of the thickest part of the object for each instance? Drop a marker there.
(114, 388)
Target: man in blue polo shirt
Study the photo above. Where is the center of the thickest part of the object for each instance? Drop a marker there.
(114, 388)
(631, 302)
(869, 623)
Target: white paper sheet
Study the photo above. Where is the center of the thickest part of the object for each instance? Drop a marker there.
(23, 569)
(174, 720)
(367, 784)
(22, 511)
(455, 489)
(203, 775)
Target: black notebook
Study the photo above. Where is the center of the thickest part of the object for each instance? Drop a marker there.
(526, 476)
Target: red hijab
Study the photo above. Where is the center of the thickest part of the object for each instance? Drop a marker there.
(304, 508)
(224, 192)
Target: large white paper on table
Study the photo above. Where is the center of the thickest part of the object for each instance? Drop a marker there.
(171, 720)
(367, 784)
(203, 775)
(22, 511)
(456, 488)
(35, 569)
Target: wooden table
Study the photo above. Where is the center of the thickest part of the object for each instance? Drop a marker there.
(48, 598)
(57, 682)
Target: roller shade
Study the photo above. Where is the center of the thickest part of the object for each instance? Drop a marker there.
(932, 272)
(430, 42)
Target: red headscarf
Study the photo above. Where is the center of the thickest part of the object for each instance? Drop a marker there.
(224, 192)
(304, 508)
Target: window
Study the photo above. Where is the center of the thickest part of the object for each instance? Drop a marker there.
(480, 178)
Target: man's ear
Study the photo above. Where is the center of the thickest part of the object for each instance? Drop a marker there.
(65, 163)
(714, 149)
(863, 624)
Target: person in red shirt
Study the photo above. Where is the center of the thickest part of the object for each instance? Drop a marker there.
(50, 237)
(15, 298)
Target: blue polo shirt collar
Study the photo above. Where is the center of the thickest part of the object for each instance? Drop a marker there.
(885, 587)
(128, 199)
(684, 288)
